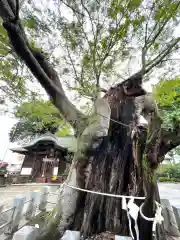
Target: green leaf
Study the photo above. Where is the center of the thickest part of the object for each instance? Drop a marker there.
(104, 43)
(31, 23)
(64, 131)
(86, 60)
(37, 118)
(3, 31)
(133, 4)
(167, 95)
(3, 51)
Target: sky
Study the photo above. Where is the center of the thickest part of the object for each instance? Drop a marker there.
(5, 126)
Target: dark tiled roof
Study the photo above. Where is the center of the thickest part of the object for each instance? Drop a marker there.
(66, 142)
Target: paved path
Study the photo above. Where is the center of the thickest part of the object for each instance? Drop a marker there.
(169, 191)
(7, 194)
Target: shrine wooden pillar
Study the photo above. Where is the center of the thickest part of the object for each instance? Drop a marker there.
(34, 168)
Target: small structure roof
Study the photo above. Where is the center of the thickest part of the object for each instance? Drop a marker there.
(20, 150)
(67, 142)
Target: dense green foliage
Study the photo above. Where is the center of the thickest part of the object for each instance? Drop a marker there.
(166, 179)
(171, 171)
(13, 74)
(109, 37)
(167, 94)
(37, 118)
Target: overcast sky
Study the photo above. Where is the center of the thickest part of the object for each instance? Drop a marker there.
(5, 125)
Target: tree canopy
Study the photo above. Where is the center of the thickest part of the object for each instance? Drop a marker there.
(36, 118)
(112, 40)
(167, 94)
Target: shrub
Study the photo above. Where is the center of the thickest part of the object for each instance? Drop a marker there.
(170, 171)
(174, 171)
(3, 168)
(166, 179)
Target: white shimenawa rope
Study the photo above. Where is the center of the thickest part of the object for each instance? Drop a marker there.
(158, 219)
(131, 208)
(100, 193)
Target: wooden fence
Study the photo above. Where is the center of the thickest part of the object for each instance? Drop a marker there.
(15, 221)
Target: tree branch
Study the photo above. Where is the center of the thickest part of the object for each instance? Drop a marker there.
(68, 110)
(72, 63)
(17, 10)
(41, 69)
(72, 8)
(144, 49)
(156, 61)
(80, 80)
(86, 9)
(78, 11)
(136, 78)
(13, 4)
(170, 59)
(157, 34)
(94, 48)
(143, 59)
(161, 141)
(160, 29)
(170, 140)
(162, 55)
(6, 11)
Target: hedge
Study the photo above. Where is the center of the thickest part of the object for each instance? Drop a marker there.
(169, 171)
(166, 179)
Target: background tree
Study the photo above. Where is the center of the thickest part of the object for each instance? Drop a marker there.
(12, 72)
(37, 118)
(104, 35)
(167, 95)
(99, 37)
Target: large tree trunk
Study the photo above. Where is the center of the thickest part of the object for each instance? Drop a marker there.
(113, 163)
(118, 166)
